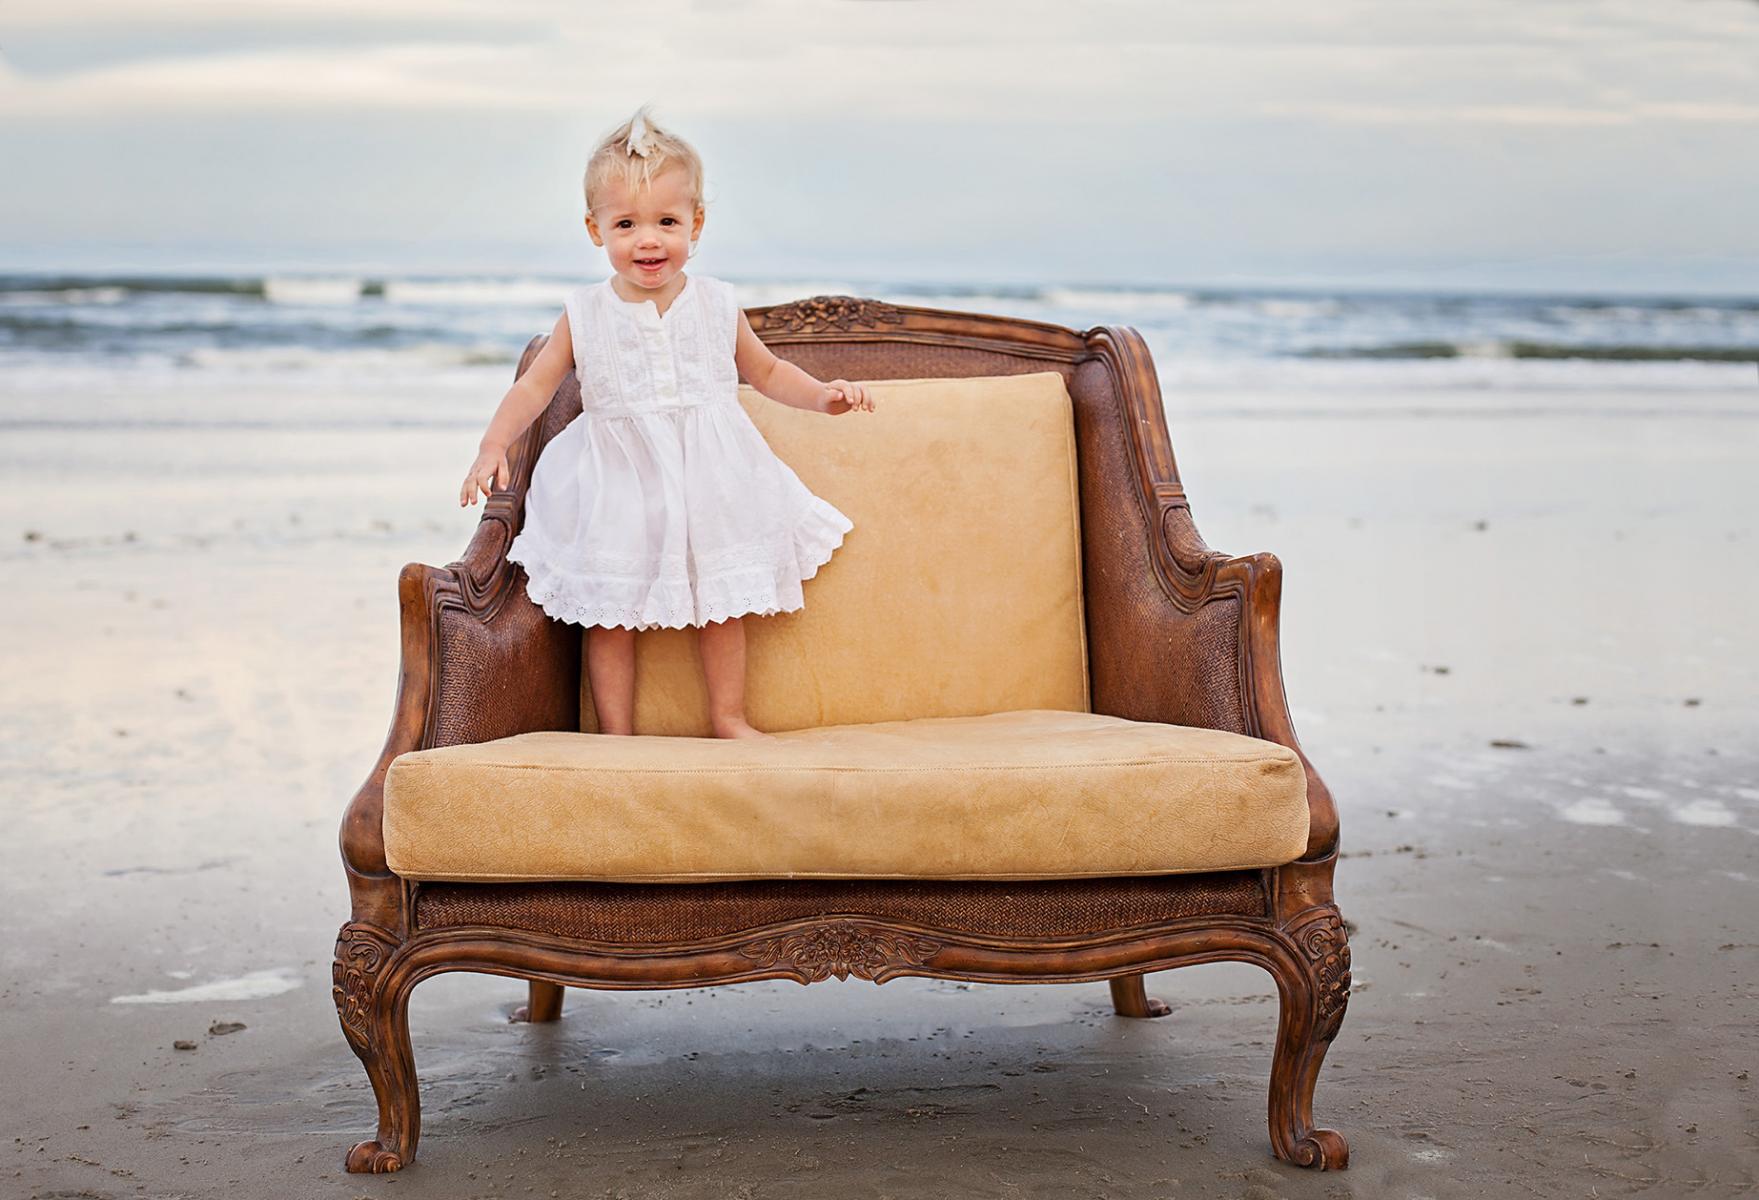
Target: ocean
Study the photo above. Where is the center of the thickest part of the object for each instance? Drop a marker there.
(74, 348)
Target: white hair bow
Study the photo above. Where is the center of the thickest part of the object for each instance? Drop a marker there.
(641, 136)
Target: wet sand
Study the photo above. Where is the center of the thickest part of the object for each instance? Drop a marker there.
(1555, 954)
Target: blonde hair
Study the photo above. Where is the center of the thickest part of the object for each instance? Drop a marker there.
(619, 156)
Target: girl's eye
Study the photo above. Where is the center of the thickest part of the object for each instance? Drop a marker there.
(672, 220)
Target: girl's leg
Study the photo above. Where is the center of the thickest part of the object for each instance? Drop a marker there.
(722, 644)
(610, 671)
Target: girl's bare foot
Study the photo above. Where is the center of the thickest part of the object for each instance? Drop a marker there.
(737, 727)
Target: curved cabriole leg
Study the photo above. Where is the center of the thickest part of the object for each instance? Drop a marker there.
(1314, 986)
(1130, 998)
(375, 1018)
(543, 1003)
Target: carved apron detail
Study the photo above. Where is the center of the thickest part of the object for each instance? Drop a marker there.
(842, 949)
(827, 312)
(361, 952)
(1324, 943)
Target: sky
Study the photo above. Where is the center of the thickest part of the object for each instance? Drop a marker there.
(1560, 145)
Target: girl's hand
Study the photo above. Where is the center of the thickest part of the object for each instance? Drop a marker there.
(489, 470)
(841, 396)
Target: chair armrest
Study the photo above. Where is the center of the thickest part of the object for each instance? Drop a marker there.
(1258, 580)
(1177, 632)
(480, 661)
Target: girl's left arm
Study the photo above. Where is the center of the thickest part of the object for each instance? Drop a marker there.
(786, 383)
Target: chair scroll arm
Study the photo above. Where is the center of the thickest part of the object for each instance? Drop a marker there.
(1257, 580)
(1207, 651)
(1218, 617)
(480, 661)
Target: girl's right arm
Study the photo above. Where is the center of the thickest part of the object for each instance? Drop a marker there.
(528, 397)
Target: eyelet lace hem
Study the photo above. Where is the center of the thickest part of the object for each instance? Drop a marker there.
(670, 594)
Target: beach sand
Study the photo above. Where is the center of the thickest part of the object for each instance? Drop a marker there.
(1555, 943)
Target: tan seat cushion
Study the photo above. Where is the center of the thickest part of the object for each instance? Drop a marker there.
(957, 592)
(1036, 794)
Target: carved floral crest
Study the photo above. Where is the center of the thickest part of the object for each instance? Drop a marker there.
(831, 312)
(1324, 943)
(361, 952)
(842, 949)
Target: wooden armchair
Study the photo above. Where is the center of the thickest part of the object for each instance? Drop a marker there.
(1148, 635)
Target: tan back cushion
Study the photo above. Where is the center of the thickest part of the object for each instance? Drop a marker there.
(957, 593)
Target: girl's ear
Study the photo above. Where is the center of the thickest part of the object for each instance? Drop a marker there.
(696, 225)
(592, 230)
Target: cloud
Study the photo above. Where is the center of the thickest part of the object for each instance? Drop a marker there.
(386, 78)
(1511, 114)
(1358, 61)
(1256, 136)
(126, 14)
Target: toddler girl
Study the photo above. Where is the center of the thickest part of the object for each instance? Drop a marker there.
(660, 505)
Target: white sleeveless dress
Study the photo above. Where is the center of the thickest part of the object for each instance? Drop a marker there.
(661, 505)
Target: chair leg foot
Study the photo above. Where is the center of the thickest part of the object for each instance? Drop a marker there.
(1322, 1150)
(543, 1003)
(370, 1158)
(374, 1010)
(1130, 998)
(1314, 994)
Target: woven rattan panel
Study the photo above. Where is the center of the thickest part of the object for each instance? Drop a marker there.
(666, 913)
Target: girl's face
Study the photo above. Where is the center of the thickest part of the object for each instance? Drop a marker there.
(647, 234)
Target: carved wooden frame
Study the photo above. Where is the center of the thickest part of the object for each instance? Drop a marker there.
(469, 633)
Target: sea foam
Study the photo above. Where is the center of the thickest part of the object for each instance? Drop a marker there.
(255, 986)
